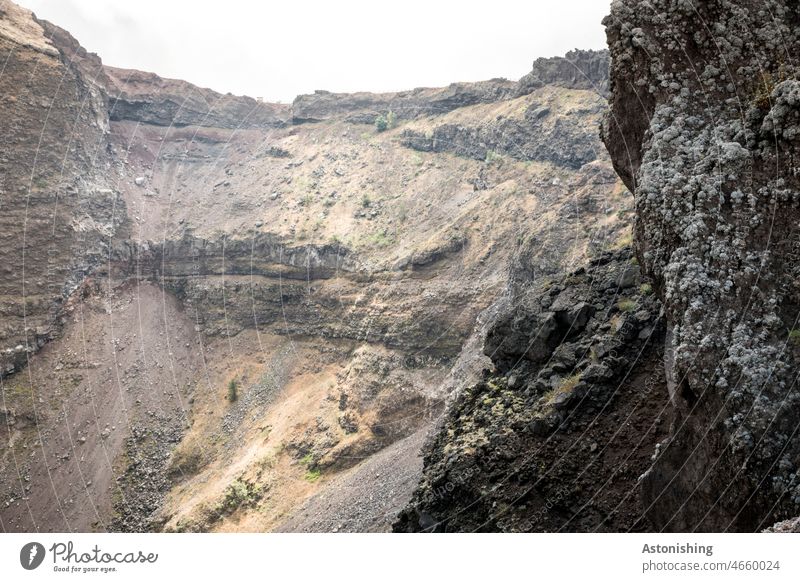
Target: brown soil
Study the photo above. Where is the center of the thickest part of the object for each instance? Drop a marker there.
(125, 360)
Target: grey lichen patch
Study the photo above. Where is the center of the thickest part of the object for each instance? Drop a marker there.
(704, 130)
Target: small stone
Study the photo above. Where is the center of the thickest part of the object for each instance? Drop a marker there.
(597, 372)
(539, 112)
(629, 277)
(562, 400)
(540, 426)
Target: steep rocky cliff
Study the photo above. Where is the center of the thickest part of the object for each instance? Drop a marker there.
(577, 69)
(57, 211)
(702, 129)
(556, 435)
(550, 128)
(227, 309)
(365, 107)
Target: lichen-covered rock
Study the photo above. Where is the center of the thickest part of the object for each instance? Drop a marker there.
(703, 128)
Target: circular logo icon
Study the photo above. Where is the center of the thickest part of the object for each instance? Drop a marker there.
(31, 555)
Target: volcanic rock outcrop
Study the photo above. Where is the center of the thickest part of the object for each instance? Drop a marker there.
(58, 209)
(556, 435)
(365, 107)
(578, 69)
(703, 129)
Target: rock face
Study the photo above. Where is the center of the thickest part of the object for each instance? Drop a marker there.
(58, 210)
(557, 435)
(577, 69)
(146, 97)
(549, 129)
(365, 107)
(293, 287)
(703, 128)
(717, 209)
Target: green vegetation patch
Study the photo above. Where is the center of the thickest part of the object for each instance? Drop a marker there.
(312, 475)
(233, 391)
(239, 493)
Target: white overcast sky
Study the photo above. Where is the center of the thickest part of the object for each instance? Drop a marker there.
(278, 50)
